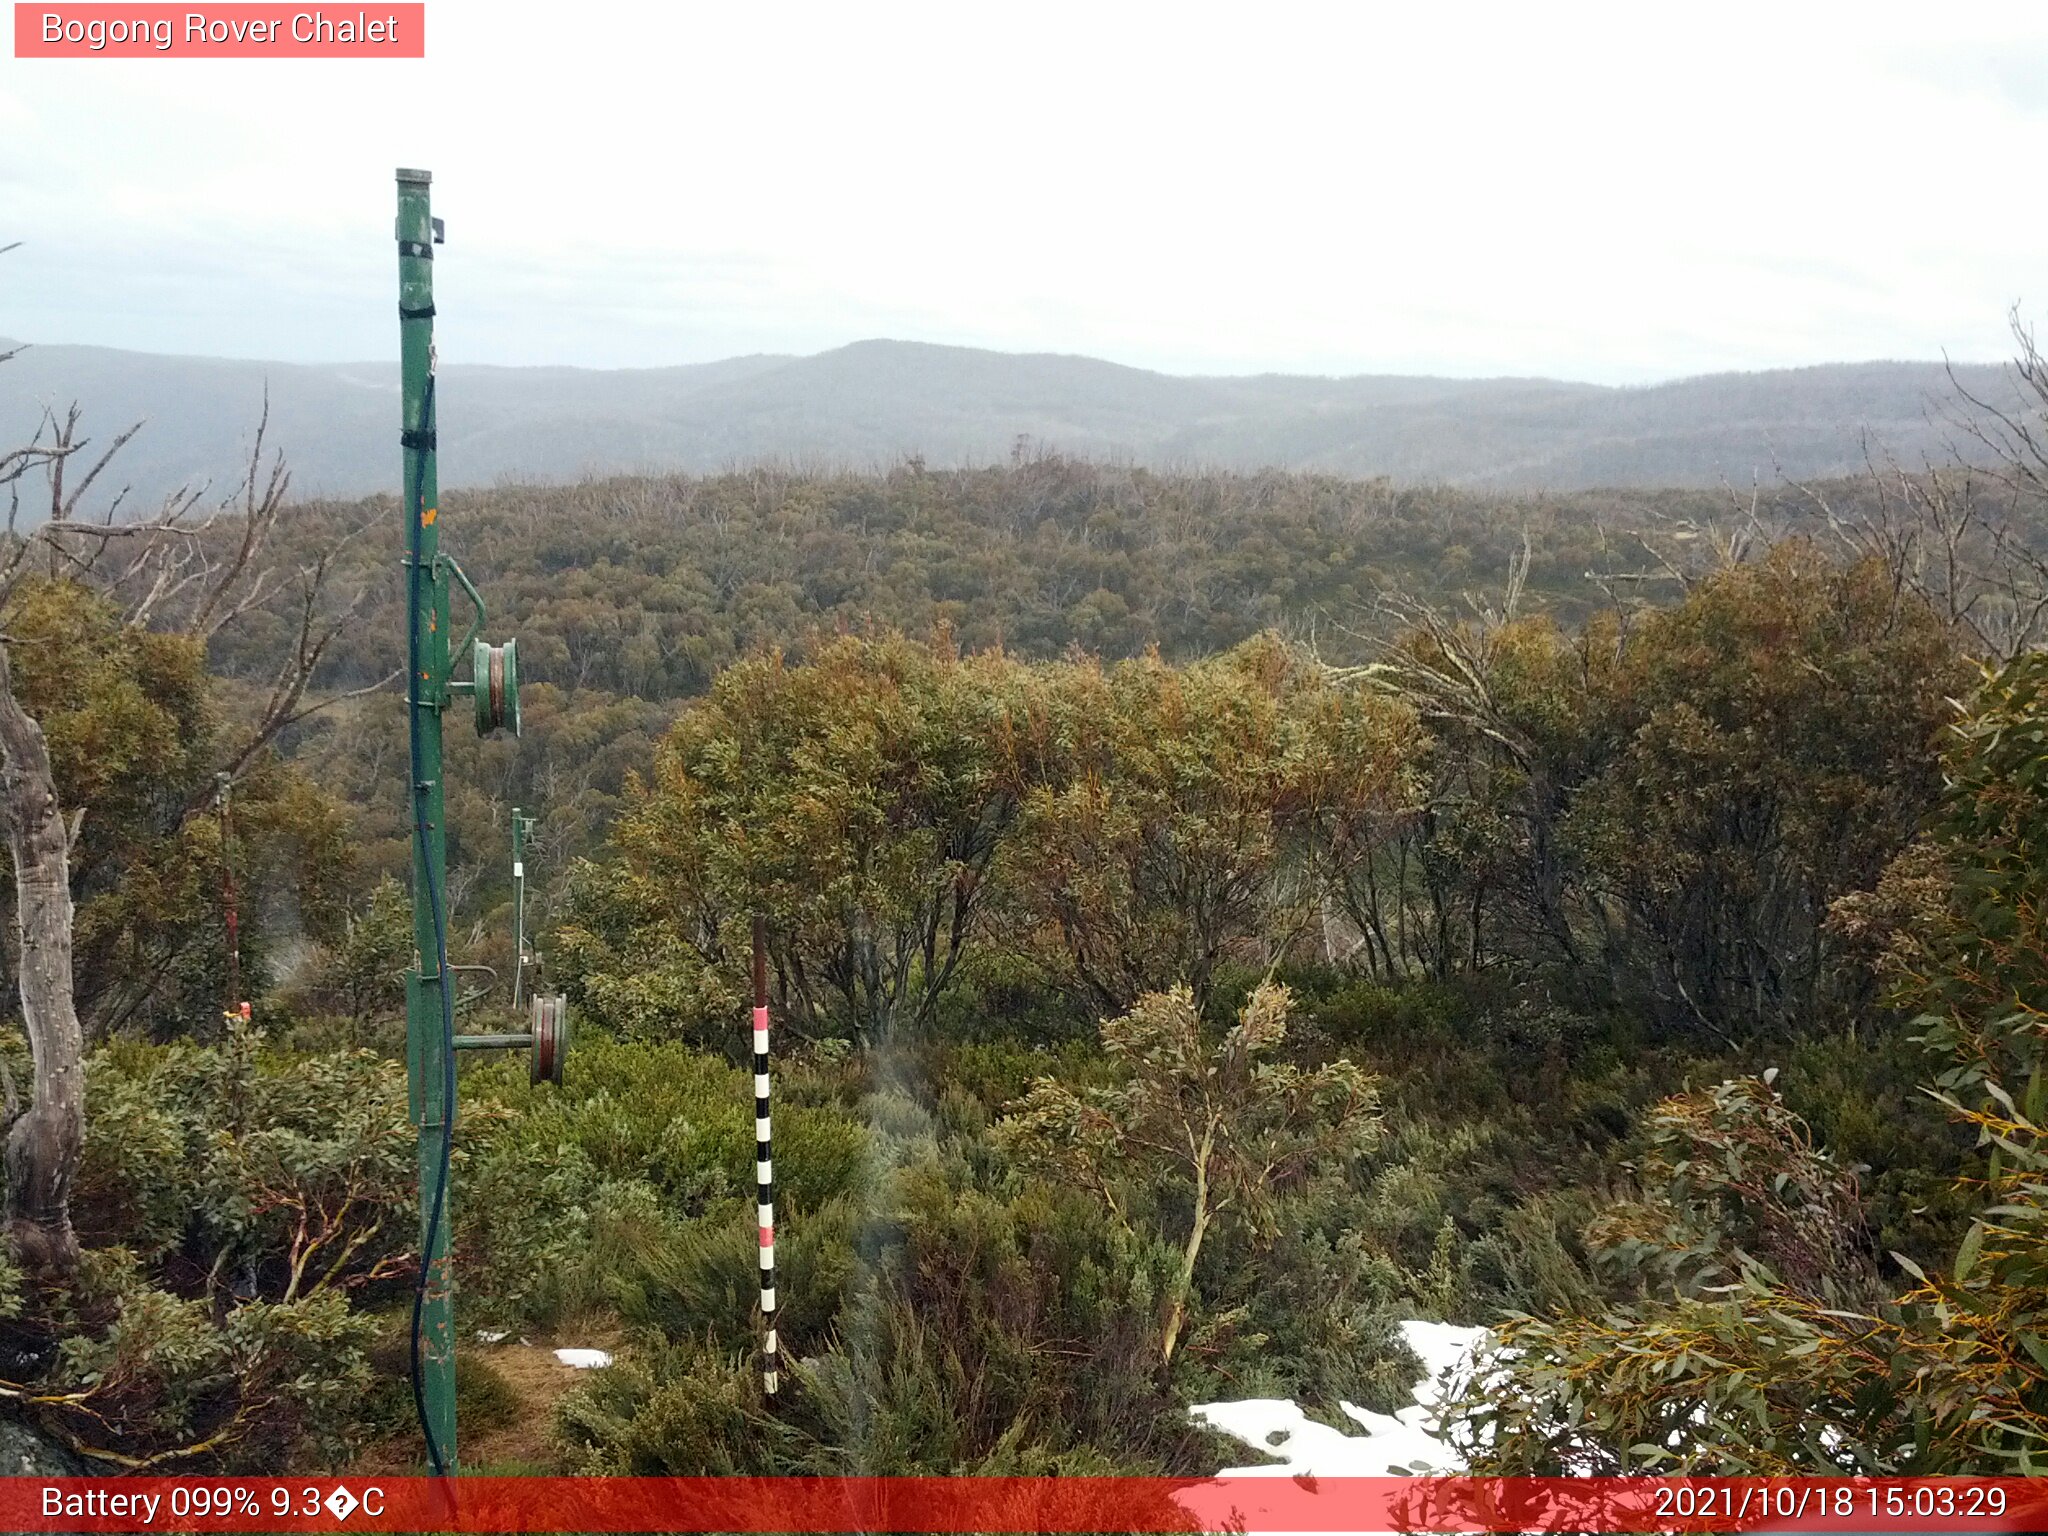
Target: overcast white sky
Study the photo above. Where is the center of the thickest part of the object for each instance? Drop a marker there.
(1611, 194)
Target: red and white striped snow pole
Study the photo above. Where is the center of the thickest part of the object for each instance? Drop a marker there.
(764, 1163)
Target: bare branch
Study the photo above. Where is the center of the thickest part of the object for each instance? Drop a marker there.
(70, 503)
(382, 683)
(259, 517)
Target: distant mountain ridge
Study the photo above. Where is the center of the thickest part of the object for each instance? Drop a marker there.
(875, 402)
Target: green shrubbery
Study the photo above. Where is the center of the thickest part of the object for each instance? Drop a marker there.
(1449, 947)
(238, 1203)
(946, 1309)
(936, 1327)
(560, 1188)
(1767, 1333)
(941, 1307)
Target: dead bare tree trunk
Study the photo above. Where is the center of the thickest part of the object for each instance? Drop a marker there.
(43, 1146)
(172, 567)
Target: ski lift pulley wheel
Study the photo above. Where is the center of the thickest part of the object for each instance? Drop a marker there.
(495, 669)
(550, 1038)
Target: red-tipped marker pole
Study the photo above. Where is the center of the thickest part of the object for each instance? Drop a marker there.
(764, 1163)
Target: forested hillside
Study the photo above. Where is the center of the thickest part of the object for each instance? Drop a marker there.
(1211, 917)
(629, 596)
(876, 402)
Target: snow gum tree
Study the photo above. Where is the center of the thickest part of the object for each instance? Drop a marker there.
(1195, 1132)
(182, 572)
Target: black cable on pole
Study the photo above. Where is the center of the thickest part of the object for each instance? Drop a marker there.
(436, 1459)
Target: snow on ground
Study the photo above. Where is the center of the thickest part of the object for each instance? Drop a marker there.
(583, 1359)
(1390, 1444)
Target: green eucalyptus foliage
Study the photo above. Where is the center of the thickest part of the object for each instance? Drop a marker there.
(272, 1173)
(136, 727)
(858, 802)
(1661, 812)
(1760, 1351)
(1533, 880)
(236, 1201)
(357, 980)
(1183, 817)
(1216, 1129)
(637, 1173)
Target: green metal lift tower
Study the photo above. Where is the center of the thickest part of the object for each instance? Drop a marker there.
(430, 1000)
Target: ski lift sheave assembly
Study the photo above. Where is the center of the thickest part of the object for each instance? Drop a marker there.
(432, 1003)
(545, 1040)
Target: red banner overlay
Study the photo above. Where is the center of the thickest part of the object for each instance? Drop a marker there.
(371, 29)
(963, 1504)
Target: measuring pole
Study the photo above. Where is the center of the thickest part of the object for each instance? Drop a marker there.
(764, 1162)
(223, 785)
(430, 1061)
(521, 825)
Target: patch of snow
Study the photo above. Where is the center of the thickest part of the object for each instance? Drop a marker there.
(1446, 1352)
(584, 1359)
(1390, 1445)
(493, 1335)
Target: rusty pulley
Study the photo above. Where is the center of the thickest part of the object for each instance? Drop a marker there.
(550, 1015)
(495, 686)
